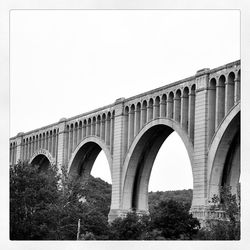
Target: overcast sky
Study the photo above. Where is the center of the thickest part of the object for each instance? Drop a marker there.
(64, 63)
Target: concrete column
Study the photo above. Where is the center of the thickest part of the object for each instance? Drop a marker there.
(156, 110)
(149, 113)
(61, 145)
(236, 90)
(19, 149)
(191, 115)
(143, 116)
(170, 109)
(229, 96)
(103, 129)
(137, 121)
(107, 131)
(163, 108)
(177, 109)
(111, 133)
(220, 104)
(199, 163)
(118, 156)
(211, 112)
(130, 127)
(184, 112)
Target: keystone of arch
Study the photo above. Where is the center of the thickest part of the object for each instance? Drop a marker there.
(219, 148)
(44, 152)
(99, 142)
(162, 121)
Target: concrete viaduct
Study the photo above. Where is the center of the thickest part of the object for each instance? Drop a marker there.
(203, 109)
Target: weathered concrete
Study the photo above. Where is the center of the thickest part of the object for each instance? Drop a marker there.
(203, 109)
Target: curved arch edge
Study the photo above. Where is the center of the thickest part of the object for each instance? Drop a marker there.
(160, 121)
(44, 152)
(100, 143)
(213, 153)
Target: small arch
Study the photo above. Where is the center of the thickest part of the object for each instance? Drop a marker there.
(84, 156)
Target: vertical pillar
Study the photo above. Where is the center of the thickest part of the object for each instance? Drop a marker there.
(184, 112)
(61, 148)
(163, 107)
(229, 96)
(107, 130)
(191, 114)
(118, 156)
(19, 148)
(130, 126)
(137, 120)
(143, 115)
(220, 103)
(236, 90)
(149, 111)
(211, 110)
(177, 109)
(170, 108)
(199, 161)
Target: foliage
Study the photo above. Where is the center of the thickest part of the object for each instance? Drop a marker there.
(45, 205)
(174, 221)
(181, 196)
(131, 227)
(227, 228)
(32, 196)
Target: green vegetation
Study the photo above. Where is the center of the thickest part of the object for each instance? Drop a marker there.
(45, 205)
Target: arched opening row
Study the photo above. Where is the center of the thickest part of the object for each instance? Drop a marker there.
(13, 153)
(47, 140)
(223, 94)
(178, 106)
(101, 126)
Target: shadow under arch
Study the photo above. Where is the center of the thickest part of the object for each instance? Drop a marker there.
(42, 158)
(84, 156)
(224, 149)
(140, 159)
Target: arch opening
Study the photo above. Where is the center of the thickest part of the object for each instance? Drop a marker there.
(42, 162)
(140, 164)
(85, 157)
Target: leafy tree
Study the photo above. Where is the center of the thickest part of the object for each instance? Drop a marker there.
(174, 221)
(228, 227)
(32, 202)
(131, 227)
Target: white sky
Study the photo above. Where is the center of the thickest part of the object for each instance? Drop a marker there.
(64, 63)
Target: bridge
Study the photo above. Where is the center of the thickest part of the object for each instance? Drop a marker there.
(203, 109)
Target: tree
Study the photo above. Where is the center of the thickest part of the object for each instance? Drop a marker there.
(32, 202)
(174, 221)
(131, 227)
(228, 227)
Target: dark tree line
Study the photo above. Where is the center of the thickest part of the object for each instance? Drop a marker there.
(45, 205)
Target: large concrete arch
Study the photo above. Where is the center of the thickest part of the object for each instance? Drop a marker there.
(84, 156)
(222, 141)
(140, 158)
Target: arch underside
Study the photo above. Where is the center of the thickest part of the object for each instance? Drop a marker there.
(224, 157)
(140, 160)
(42, 161)
(83, 158)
